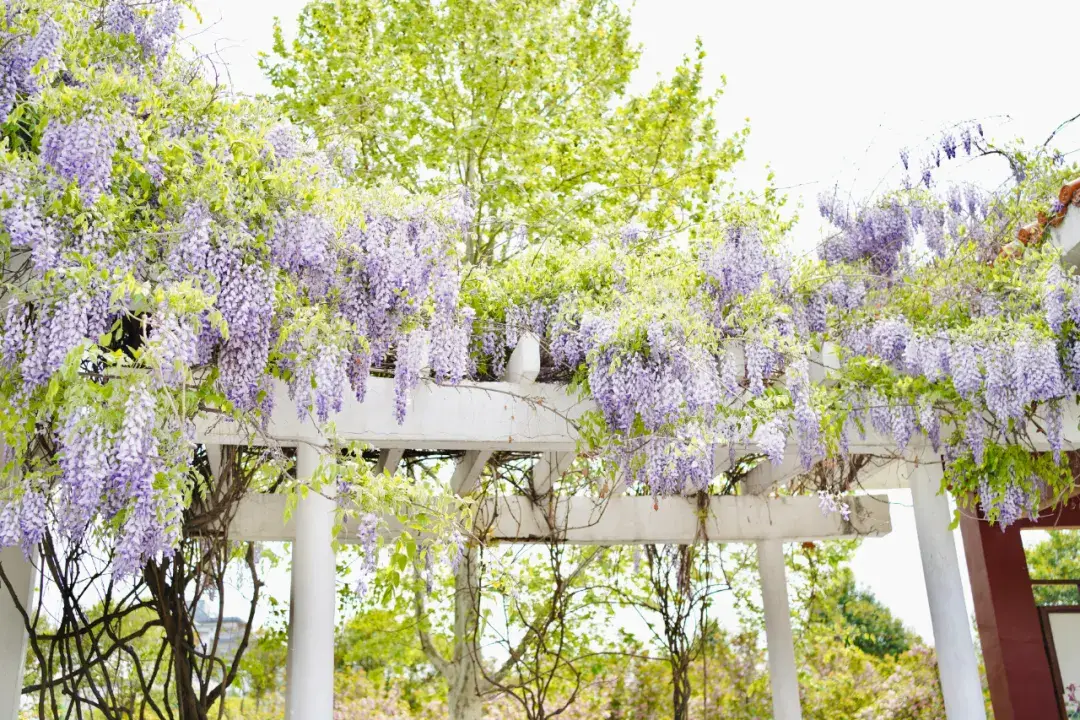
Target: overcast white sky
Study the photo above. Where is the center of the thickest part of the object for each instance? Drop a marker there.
(832, 90)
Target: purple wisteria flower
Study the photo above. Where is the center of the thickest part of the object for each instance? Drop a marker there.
(57, 332)
(829, 503)
(771, 437)
(930, 422)
(450, 341)
(175, 345)
(303, 246)
(876, 234)
(20, 57)
(807, 419)
(1012, 502)
(975, 435)
(367, 534)
(245, 303)
(966, 375)
(81, 151)
(736, 266)
(86, 463)
(319, 382)
(192, 253)
(758, 366)
(890, 338)
(285, 141)
(412, 357)
(1054, 298)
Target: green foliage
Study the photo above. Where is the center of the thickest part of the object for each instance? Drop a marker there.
(383, 644)
(262, 669)
(524, 105)
(866, 623)
(1056, 558)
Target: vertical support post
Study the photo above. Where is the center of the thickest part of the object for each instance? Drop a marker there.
(957, 665)
(309, 690)
(783, 675)
(466, 679)
(1017, 666)
(13, 637)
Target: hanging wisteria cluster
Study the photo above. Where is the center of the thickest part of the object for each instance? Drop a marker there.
(943, 339)
(29, 47)
(182, 261)
(154, 30)
(682, 373)
(969, 345)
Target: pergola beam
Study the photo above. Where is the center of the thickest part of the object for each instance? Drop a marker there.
(620, 520)
(468, 470)
(523, 417)
(765, 476)
(388, 461)
(549, 468)
(518, 416)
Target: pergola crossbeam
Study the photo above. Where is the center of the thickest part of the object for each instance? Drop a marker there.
(468, 470)
(549, 468)
(523, 417)
(388, 461)
(618, 520)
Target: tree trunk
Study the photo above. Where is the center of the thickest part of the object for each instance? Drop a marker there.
(169, 601)
(680, 689)
(465, 704)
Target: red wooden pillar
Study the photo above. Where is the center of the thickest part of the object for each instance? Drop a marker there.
(1017, 665)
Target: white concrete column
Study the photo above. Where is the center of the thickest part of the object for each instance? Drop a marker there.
(13, 637)
(957, 665)
(309, 689)
(783, 674)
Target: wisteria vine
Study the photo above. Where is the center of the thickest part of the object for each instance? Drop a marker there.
(172, 256)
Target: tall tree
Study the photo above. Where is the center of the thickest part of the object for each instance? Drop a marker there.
(1056, 558)
(866, 623)
(524, 104)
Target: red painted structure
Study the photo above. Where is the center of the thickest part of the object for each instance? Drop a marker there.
(1018, 667)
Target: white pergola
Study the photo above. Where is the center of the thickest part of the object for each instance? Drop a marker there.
(522, 415)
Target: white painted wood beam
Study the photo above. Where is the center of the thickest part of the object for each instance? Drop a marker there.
(919, 449)
(521, 416)
(388, 461)
(883, 474)
(1066, 237)
(626, 520)
(526, 417)
(549, 468)
(468, 470)
(825, 364)
(621, 520)
(214, 453)
(822, 366)
(765, 476)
